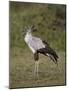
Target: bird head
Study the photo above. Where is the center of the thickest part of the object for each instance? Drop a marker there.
(29, 29)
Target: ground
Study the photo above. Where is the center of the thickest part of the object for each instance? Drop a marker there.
(22, 67)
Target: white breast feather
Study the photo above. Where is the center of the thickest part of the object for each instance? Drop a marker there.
(34, 43)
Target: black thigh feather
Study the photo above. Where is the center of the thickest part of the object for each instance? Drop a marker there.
(36, 56)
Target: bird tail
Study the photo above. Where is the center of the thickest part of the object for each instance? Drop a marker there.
(50, 53)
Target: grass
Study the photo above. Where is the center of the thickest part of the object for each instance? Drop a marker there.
(50, 22)
(46, 18)
(22, 67)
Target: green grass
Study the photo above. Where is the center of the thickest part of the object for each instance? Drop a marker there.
(50, 22)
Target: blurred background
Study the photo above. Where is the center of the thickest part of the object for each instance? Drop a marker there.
(50, 20)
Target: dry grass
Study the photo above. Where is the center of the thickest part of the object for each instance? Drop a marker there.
(22, 66)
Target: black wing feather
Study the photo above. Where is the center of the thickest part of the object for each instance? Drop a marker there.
(48, 51)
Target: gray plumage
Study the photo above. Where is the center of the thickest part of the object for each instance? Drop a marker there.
(39, 46)
(34, 43)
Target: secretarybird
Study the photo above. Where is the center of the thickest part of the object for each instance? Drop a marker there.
(39, 46)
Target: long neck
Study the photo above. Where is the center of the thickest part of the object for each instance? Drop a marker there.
(28, 37)
(29, 33)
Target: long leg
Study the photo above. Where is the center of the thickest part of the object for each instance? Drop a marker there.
(37, 62)
(36, 57)
(36, 69)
